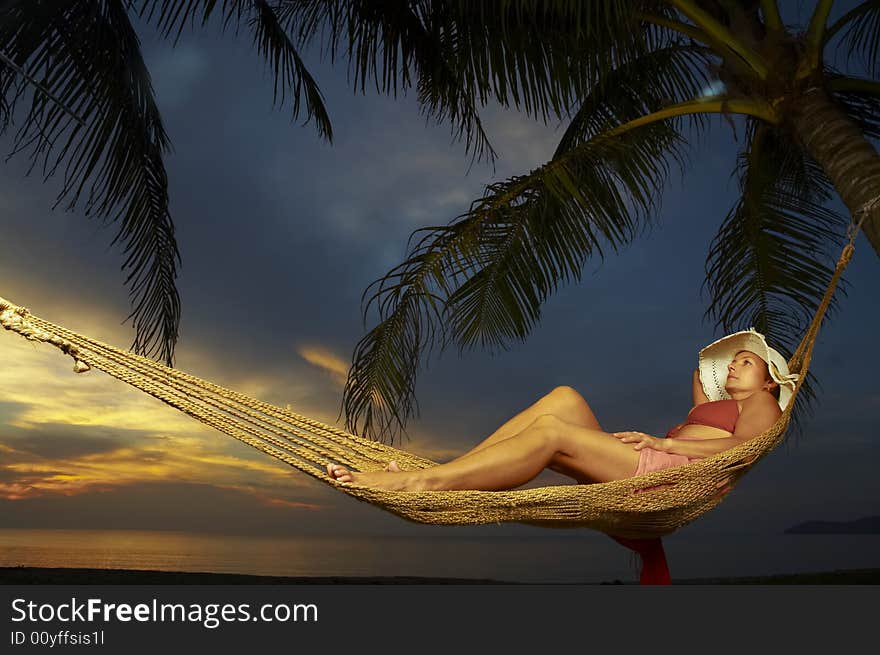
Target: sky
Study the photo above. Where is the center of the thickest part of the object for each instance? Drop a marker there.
(280, 234)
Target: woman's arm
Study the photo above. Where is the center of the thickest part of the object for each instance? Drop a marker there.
(699, 395)
(759, 412)
(697, 448)
(687, 447)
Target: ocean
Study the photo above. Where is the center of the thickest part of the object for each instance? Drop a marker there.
(584, 557)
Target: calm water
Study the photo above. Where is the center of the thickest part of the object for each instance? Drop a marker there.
(582, 558)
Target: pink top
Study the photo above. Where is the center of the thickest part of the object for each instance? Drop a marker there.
(716, 414)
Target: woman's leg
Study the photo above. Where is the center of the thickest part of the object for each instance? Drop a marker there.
(585, 454)
(563, 402)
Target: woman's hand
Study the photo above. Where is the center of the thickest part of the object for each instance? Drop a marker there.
(642, 440)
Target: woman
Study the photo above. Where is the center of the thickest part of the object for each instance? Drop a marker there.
(739, 389)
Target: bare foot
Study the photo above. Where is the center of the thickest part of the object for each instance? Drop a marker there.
(340, 473)
(390, 467)
(388, 479)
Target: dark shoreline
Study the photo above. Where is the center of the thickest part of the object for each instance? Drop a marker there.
(25, 575)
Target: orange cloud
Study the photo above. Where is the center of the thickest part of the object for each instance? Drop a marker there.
(164, 460)
(327, 361)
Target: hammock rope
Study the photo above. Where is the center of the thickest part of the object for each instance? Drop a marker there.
(643, 507)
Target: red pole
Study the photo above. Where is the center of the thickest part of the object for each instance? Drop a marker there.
(654, 567)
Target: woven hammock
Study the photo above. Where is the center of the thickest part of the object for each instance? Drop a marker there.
(643, 507)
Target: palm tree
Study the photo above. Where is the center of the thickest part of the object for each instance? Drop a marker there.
(633, 79)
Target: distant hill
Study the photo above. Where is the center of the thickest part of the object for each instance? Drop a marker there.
(866, 525)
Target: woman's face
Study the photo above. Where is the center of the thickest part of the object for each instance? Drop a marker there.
(747, 372)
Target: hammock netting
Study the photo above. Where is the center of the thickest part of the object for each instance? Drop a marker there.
(647, 506)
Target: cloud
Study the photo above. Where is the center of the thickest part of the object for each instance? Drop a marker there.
(10, 410)
(325, 360)
(46, 392)
(72, 435)
(159, 459)
(523, 143)
(66, 441)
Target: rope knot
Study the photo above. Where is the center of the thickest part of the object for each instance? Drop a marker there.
(852, 231)
(15, 319)
(870, 205)
(79, 366)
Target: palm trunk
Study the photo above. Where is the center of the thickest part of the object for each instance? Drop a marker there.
(839, 146)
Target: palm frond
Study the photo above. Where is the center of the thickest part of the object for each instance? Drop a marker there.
(171, 17)
(291, 74)
(861, 105)
(771, 260)
(87, 55)
(482, 279)
(6, 62)
(390, 43)
(11, 82)
(860, 36)
(548, 55)
(667, 75)
(552, 53)
(273, 43)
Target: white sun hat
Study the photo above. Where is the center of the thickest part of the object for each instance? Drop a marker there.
(715, 358)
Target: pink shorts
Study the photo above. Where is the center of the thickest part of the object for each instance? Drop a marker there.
(653, 460)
